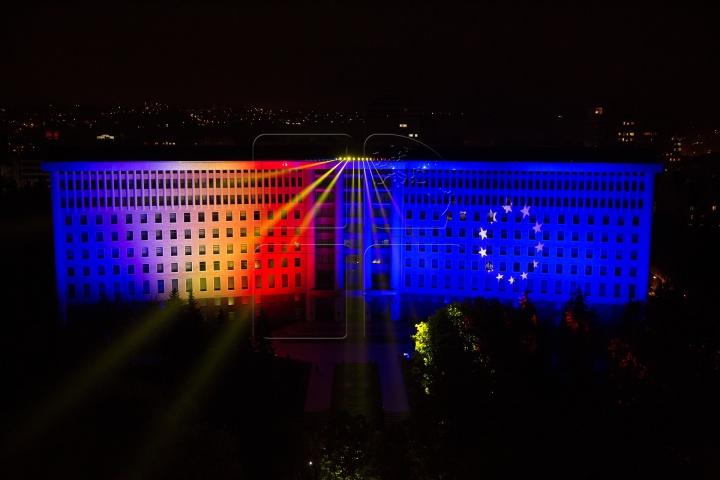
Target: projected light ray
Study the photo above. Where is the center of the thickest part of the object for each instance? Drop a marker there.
(303, 166)
(320, 200)
(305, 193)
(376, 239)
(309, 217)
(398, 210)
(392, 199)
(81, 385)
(205, 371)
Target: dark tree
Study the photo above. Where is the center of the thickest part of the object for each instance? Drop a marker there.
(578, 339)
(174, 303)
(261, 344)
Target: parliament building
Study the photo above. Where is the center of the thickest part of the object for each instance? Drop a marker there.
(299, 237)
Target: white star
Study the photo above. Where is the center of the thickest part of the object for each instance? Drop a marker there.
(511, 280)
(508, 208)
(483, 252)
(523, 276)
(535, 263)
(499, 277)
(537, 227)
(483, 233)
(493, 215)
(539, 247)
(525, 211)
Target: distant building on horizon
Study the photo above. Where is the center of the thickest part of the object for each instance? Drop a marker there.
(596, 128)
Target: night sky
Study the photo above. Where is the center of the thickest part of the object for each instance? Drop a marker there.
(645, 59)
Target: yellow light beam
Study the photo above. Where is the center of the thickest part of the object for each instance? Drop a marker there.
(302, 195)
(317, 204)
(201, 376)
(82, 383)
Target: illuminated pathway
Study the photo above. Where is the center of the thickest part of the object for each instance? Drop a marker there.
(326, 353)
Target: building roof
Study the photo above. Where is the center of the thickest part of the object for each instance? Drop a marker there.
(314, 152)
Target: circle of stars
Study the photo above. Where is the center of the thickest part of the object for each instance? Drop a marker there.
(492, 218)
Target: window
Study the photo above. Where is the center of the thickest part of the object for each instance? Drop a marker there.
(201, 249)
(173, 218)
(202, 266)
(174, 267)
(201, 216)
(228, 216)
(186, 217)
(215, 233)
(216, 249)
(143, 218)
(203, 285)
(256, 215)
(188, 249)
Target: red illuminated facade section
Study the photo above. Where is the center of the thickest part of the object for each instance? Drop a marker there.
(235, 233)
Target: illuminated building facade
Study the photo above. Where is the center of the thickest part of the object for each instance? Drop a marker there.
(300, 236)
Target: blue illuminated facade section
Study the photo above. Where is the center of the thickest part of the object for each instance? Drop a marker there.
(446, 231)
(407, 235)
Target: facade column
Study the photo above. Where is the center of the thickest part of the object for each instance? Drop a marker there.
(396, 249)
(307, 244)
